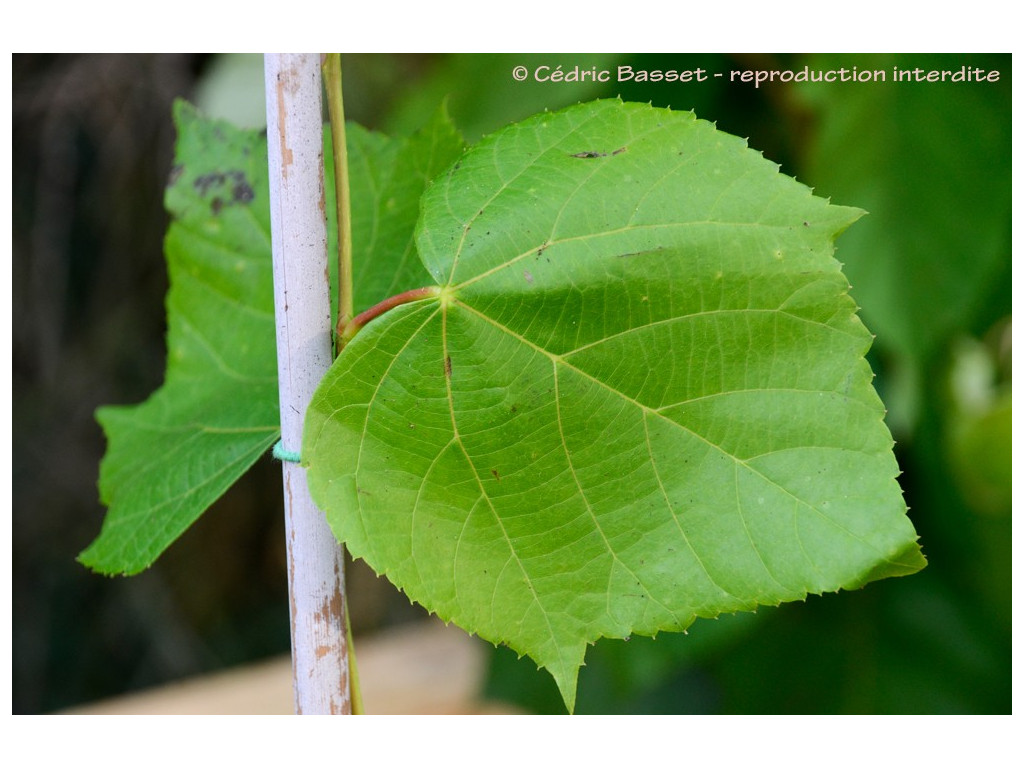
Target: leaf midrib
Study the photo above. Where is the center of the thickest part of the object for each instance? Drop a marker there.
(591, 236)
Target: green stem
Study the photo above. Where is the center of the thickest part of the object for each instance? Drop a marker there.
(353, 673)
(336, 110)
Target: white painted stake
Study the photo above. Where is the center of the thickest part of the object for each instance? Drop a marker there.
(316, 579)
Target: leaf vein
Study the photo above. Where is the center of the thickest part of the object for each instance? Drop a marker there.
(647, 409)
(590, 510)
(675, 516)
(483, 491)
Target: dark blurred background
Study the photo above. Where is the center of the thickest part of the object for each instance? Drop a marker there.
(930, 267)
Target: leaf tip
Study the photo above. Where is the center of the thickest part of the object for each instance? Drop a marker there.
(93, 559)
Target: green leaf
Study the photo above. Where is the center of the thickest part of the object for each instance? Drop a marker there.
(171, 457)
(638, 397)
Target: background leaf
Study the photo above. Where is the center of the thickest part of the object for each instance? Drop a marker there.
(174, 455)
(929, 160)
(640, 396)
(171, 457)
(387, 177)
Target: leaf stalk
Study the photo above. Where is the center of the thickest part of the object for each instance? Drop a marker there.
(346, 333)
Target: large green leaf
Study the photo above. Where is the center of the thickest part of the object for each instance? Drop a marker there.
(639, 395)
(172, 456)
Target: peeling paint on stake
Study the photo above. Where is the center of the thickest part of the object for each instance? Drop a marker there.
(316, 578)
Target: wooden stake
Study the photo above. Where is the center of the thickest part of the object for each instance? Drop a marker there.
(302, 309)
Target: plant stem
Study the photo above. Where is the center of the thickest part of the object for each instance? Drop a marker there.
(302, 309)
(336, 110)
(347, 332)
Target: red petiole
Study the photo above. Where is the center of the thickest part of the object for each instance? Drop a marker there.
(350, 329)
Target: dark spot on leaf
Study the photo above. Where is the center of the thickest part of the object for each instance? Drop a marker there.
(496, 475)
(619, 151)
(448, 366)
(806, 224)
(242, 192)
(240, 188)
(639, 253)
(203, 183)
(588, 155)
(215, 205)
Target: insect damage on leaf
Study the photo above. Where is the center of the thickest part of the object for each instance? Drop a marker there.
(224, 188)
(591, 154)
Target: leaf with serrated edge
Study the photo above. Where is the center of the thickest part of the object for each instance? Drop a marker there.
(171, 457)
(638, 397)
